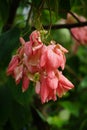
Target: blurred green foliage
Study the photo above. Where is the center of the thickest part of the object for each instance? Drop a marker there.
(24, 111)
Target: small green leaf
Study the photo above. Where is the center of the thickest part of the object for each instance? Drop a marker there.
(64, 115)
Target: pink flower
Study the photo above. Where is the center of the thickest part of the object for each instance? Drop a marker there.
(53, 57)
(79, 33)
(32, 61)
(18, 73)
(34, 45)
(28, 49)
(13, 64)
(39, 63)
(63, 84)
(26, 81)
(35, 42)
(32, 64)
(51, 84)
(35, 38)
(27, 58)
(46, 87)
(32, 52)
(52, 80)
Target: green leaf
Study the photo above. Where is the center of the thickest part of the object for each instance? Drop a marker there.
(74, 60)
(45, 17)
(73, 108)
(8, 42)
(14, 109)
(83, 83)
(62, 36)
(53, 6)
(37, 3)
(82, 53)
(5, 104)
(4, 10)
(19, 116)
(23, 98)
(64, 7)
(64, 115)
(59, 120)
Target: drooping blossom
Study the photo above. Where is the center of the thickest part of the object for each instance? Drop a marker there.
(52, 84)
(34, 61)
(46, 86)
(53, 57)
(63, 84)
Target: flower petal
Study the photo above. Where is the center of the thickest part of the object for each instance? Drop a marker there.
(44, 91)
(13, 64)
(37, 87)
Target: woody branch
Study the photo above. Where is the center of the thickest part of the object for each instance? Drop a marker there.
(68, 26)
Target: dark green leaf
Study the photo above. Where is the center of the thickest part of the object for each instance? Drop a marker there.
(83, 83)
(37, 3)
(64, 7)
(5, 104)
(19, 116)
(23, 98)
(4, 10)
(8, 42)
(53, 6)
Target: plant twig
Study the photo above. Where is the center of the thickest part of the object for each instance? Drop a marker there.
(29, 15)
(74, 16)
(73, 73)
(50, 16)
(41, 5)
(68, 26)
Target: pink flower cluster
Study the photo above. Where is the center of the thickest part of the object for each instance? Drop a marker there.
(34, 61)
(78, 33)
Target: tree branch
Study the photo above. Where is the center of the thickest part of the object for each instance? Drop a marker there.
(12, 12)
(68, 26)
(74, 16)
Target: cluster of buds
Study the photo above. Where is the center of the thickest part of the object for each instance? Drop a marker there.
(34, 61)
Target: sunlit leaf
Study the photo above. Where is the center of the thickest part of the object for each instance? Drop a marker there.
(73, 108)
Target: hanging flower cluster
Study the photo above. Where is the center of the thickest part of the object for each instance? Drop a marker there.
(34, 61)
